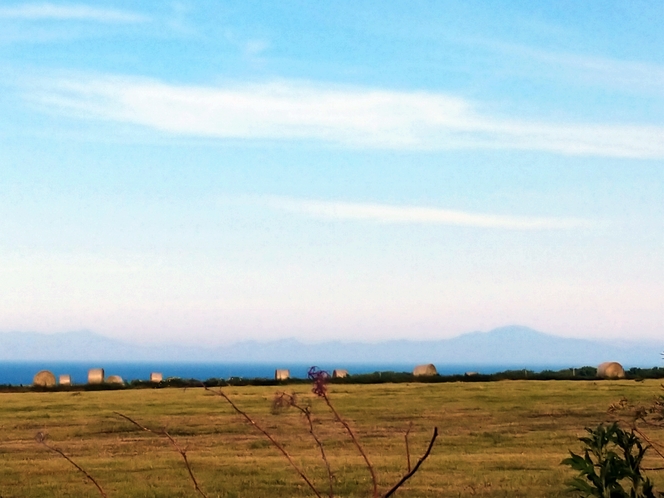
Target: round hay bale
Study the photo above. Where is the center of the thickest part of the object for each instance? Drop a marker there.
(44, 378)
(156, 377)
(611, 370)
(114, 379)
(65, 380)
(339, 373)
(281, 374)
(428, 369)
(95, 376)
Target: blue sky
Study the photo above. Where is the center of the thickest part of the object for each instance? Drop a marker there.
(217, 171)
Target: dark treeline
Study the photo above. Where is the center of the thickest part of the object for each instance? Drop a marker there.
(581, 374)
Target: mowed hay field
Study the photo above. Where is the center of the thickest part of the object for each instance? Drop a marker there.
(497, 439)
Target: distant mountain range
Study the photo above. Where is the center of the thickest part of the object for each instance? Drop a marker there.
(512, 346)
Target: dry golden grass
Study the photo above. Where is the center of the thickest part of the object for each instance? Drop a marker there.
(499, 439)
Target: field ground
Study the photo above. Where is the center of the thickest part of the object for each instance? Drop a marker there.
(497, 439)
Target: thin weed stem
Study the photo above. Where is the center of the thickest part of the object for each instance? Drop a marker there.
(355, 441)
(307, 414)
(181, 451)
(410, 426)
(652, 444)
(417, 465)
(274, 442)
(40, 437)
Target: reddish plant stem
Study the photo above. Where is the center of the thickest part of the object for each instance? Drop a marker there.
(307, 414)
(274, 442)
(355, 441)
(410, 426)
(41, 439)
(648, 440)
(417, 465)
(182, 452)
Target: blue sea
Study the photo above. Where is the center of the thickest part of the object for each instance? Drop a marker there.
(22, 373)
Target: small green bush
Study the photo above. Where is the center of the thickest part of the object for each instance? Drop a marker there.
(611, 465)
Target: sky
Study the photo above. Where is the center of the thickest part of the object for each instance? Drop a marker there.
(205, 172)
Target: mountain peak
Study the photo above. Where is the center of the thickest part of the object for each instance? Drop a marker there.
(510, 346)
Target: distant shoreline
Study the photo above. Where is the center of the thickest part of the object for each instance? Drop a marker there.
(378, 377)
(22, 373)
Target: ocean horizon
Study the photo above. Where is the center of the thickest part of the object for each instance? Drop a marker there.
(22, 373)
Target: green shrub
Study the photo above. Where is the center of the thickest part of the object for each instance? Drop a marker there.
(611, 465)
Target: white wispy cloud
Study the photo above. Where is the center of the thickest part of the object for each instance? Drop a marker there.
(348, 116)
(390, 214)
(627, 74)
(72, 12)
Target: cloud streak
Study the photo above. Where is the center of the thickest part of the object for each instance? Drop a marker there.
(625, 74)
(390, 214)
(49, 11)
(345, 116)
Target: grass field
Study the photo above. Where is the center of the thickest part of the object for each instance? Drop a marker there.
(497, 439)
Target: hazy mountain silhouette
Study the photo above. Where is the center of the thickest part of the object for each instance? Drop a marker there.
(507, 346)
